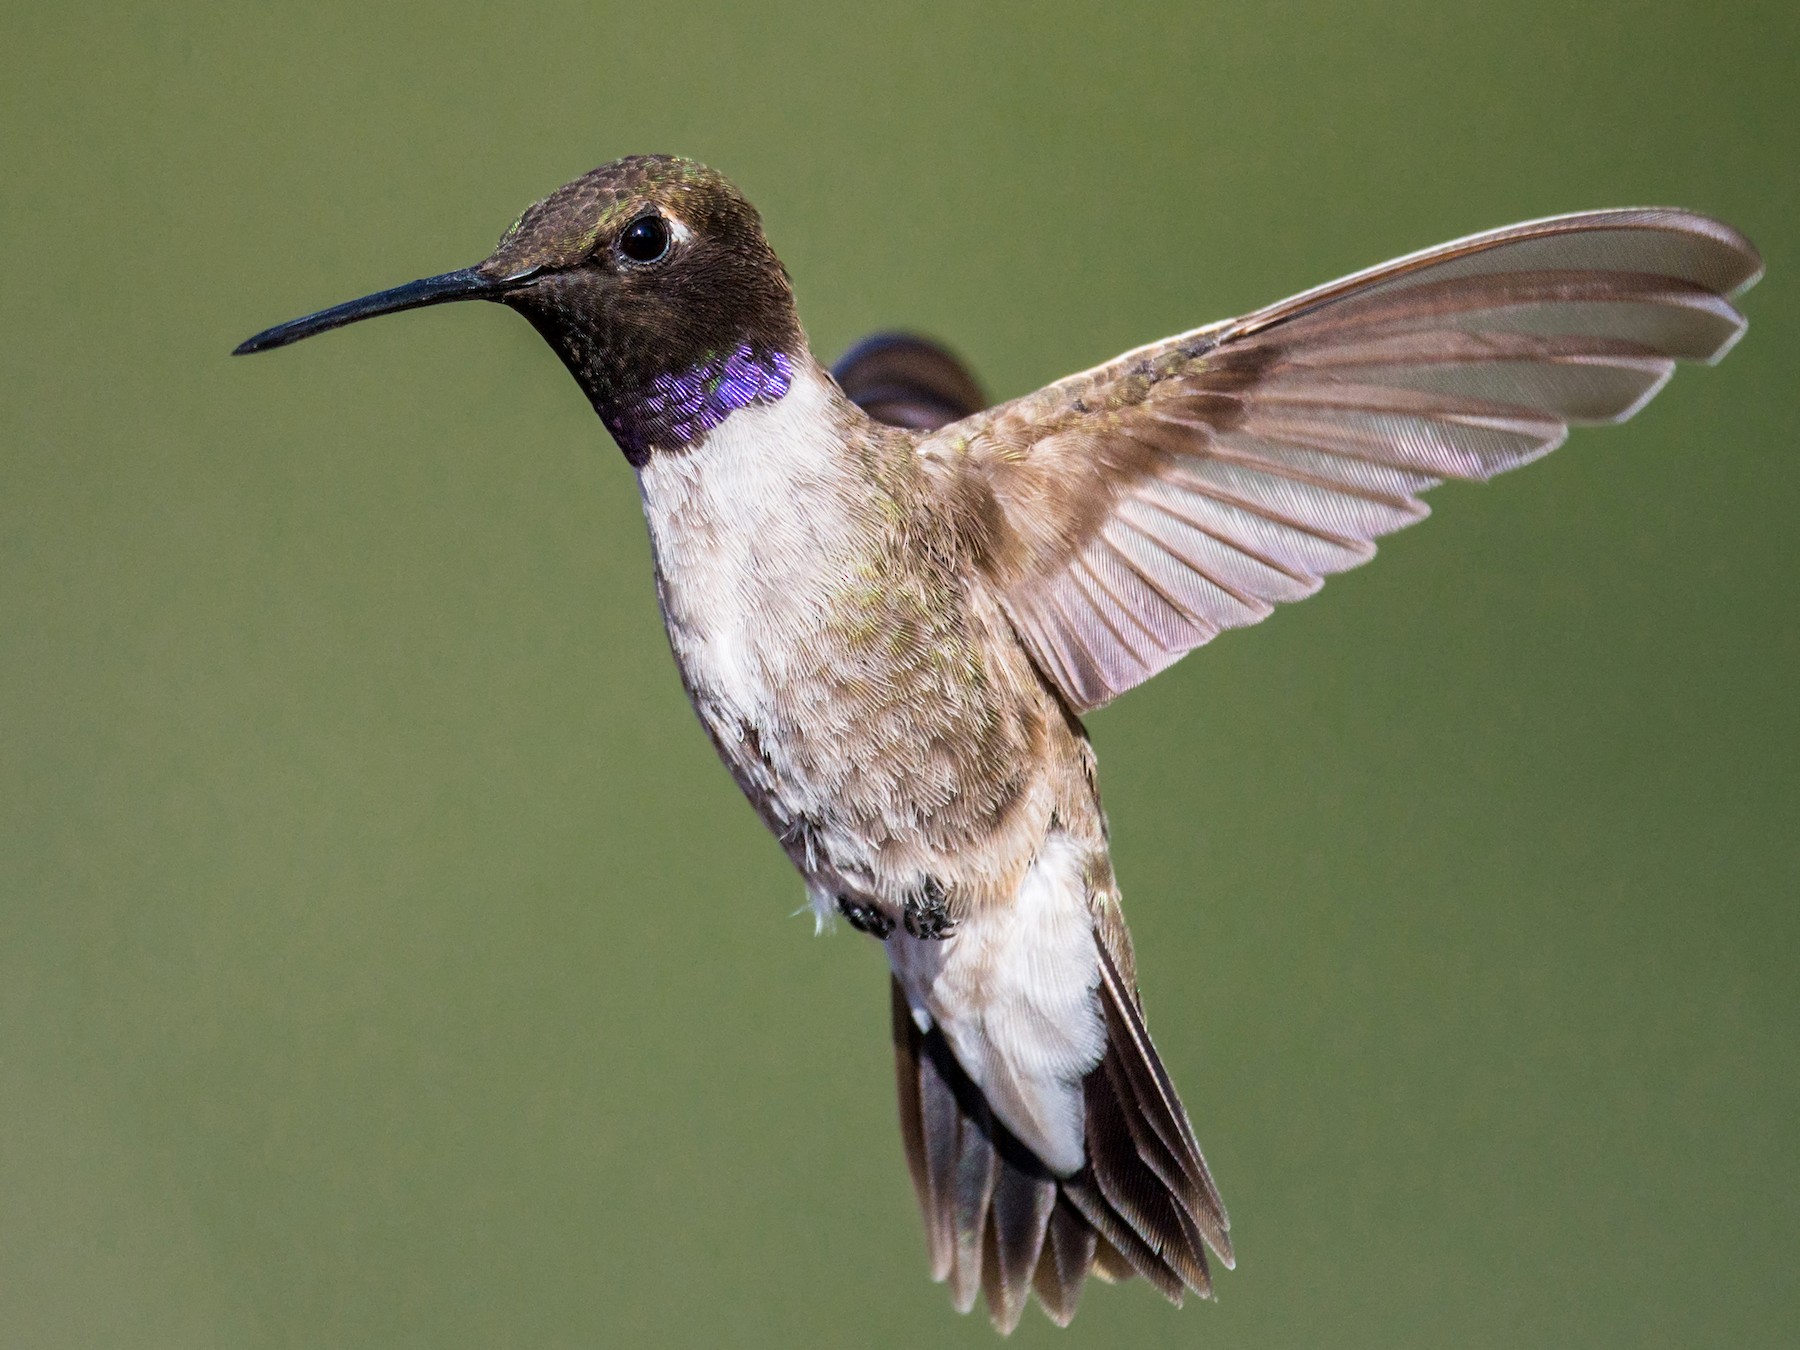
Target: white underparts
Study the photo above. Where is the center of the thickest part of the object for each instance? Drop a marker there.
(745, 523)
(1015, 993)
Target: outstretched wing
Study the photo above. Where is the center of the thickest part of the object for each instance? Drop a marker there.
(1130, 513)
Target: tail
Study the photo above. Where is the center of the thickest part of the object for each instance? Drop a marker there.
(997, 1220)
(908, 381)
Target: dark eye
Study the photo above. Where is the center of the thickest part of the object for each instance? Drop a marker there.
(646, 239)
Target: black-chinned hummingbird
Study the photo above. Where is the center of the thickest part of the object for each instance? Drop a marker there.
(890, 605)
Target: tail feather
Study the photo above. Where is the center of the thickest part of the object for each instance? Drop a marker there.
(1127, 1249)
(1159, 1112)
(1063, 1267)
(1014, 1247)
(1149, 1147)
(997, 1221)
(1109, 1262)
(925, 1129)
(976, 1175)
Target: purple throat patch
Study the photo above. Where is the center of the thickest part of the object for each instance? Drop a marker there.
(679, 409)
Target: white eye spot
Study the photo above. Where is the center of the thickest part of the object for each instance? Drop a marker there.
(678, 230)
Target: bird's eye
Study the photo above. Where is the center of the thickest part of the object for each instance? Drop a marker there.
(646, 239)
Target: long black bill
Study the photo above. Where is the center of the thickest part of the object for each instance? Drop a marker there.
(466, 284)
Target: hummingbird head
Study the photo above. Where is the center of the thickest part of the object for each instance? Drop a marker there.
(651, 278)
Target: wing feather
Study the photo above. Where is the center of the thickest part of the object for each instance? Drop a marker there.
(1132, 512)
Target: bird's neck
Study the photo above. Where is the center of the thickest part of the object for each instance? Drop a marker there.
(674, 410)
(766, 439)
(665, 386)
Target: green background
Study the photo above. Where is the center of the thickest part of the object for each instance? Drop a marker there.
(386, 961)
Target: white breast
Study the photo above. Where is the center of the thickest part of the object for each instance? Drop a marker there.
(742, 523)
(750, 528)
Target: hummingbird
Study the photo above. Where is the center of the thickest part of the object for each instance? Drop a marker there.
(890, 605)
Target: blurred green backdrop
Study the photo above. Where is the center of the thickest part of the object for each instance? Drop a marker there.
(386, 961)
